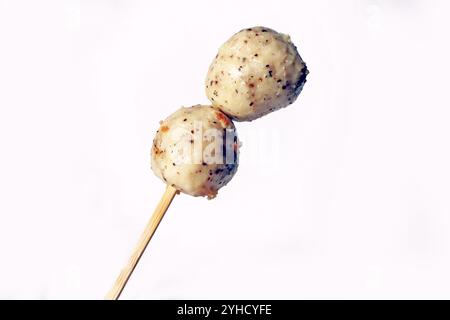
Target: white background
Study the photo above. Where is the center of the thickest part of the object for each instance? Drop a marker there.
(345, 194)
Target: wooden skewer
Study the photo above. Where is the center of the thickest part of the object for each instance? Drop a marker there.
(146, 236)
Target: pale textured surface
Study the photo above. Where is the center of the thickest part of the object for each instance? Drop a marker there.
(194, 174)
(257, 71)
(344, 194)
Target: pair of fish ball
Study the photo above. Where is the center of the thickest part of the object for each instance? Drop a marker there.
(257, 71)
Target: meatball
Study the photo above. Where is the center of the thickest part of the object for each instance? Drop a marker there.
(195, 150)
(255, 72)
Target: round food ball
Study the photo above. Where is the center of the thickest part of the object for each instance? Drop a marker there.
(195, 150)
(255, 72)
